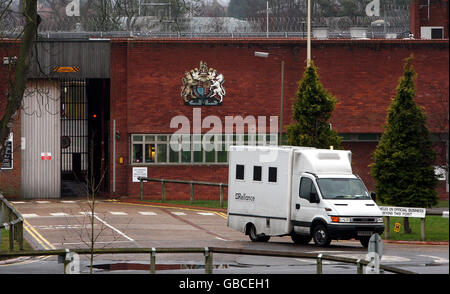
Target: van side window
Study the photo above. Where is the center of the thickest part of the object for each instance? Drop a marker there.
(272, 174)
(257, 173)
(306, 187)
(239, 172)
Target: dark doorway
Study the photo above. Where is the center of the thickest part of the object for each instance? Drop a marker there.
(84, 130)
(98, 126)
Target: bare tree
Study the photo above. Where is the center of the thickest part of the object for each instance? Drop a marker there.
(18, 80)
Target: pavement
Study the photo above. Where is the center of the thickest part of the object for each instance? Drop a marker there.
(132, 223)
(438, 211)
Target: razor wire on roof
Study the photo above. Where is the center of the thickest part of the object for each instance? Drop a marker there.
(55, 24)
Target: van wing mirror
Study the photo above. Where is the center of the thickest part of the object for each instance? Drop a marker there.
(314, 198)
(373, 195)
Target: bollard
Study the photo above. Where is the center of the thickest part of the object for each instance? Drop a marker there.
(20, 234)
(11, 237)
(221, 195)
(141, 189)
(163, 192)
(422, 229)
(208, 262)
(387, 228)
(153, 261)
(192, 192)
(359, 267)
(319, 264)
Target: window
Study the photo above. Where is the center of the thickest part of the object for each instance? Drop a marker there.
(272, 174)
(239, 172)
(156, 148)
(257, 173)
(306, 186)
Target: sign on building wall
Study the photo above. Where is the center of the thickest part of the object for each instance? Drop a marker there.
(403, 211)
(8, 158)
(139, 172)
(203, 86)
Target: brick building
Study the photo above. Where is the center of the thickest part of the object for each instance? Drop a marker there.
(126, 91)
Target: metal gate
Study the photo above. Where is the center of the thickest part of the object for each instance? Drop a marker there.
(40, 164)
(74, 130)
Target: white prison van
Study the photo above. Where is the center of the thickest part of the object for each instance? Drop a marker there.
(306, 193)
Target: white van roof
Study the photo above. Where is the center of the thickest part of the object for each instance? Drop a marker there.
(323, 161)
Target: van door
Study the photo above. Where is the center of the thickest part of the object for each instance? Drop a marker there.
(304, 210)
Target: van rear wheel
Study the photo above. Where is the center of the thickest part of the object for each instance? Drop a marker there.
(321, 236)
(254, 236)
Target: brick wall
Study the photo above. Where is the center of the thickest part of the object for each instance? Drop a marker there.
(10, 180)
(362, 75)
(438, 15)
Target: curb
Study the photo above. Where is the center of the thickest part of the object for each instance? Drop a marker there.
(13, 261)
(224, 210)
(416, 242)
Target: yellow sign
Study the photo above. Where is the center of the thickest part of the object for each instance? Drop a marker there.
(66, 69)
(397, 227)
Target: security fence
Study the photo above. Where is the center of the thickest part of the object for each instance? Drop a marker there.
(66, 256)
(12, 221)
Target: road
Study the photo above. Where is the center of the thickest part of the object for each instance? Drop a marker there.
(66, 224)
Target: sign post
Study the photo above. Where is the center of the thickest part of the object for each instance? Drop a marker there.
(413, 212)
(375, 254)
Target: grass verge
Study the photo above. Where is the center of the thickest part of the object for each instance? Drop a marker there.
(436, 229)
(198, 203)
(4, 246)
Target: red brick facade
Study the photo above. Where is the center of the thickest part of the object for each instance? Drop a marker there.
(362, 75)
(436, 14)
(10, 180)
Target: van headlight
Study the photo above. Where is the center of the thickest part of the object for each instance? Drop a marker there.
(337, 219)
(379, 220)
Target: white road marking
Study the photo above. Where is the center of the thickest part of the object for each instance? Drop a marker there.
(68, 201)
(205, 213)
(113, 228)
(221, 239)
(96, 242)
(43, 202)
(58, 214)
(147, 213)
(437, 259)
(30, 215)
(118, 213)
(178, 213)
(18, 202)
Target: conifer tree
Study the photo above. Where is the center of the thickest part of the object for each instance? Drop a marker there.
(312, 110)
(403, 161)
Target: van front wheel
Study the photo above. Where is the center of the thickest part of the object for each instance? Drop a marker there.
(321, 236)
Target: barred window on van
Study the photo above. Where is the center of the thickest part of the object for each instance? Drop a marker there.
(257, 173)
(239, 172)
(272, 174)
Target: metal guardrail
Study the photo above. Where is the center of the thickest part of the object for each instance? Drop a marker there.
(12, 221)
(191, 183)
(208, 254)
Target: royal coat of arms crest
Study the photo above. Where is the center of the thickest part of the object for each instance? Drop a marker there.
(203, 86)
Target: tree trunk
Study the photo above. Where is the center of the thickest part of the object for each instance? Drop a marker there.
(407, 227)
(22, 66)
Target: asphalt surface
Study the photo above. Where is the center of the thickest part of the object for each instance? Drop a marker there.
(66, 224)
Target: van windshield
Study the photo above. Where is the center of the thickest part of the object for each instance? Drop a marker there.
(347, 189)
